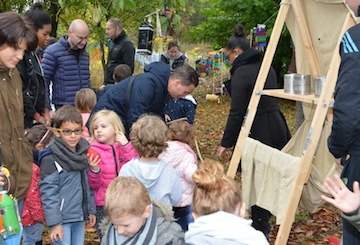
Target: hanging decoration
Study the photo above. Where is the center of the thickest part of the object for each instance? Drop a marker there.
(260, 37)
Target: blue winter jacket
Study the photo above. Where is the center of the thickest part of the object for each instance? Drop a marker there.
(68, 70)
(62, 192)
(148, 95)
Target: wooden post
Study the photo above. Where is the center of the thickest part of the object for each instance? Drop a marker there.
(309, 150)
(260, 83)
(306, 38)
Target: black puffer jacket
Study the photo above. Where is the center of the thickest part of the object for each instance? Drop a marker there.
(122, 52)
(34, 89)
(269, 126)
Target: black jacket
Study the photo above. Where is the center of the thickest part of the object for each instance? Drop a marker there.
(121, 52)
(34, 89)
(269, 126)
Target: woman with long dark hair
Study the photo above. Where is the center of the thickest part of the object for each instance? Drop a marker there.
(269, 126)
(36, 106)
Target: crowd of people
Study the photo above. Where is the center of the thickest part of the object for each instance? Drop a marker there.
(122, 159)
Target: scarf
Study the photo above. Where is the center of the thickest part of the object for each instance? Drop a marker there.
(146, 235)
(68, 159)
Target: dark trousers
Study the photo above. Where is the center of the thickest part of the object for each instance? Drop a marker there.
(181, 216)
(260, 219)
(351, 173)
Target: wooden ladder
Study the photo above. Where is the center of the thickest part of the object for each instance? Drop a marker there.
(322, 106)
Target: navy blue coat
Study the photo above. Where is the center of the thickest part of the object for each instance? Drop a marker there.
(148, 95)
(68, 70)
(345, 135)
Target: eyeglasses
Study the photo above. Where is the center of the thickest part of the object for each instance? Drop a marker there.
(227, 56)
(68, 132)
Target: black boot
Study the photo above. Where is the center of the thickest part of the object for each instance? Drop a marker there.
(260, 219)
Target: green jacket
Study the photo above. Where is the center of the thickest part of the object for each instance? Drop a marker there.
(353, 219)
(16, 150)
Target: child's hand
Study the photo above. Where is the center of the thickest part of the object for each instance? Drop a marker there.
(94, 159)
(91, 222)
(121, 138)
(167, 118)
(56, 233)
(344, 199)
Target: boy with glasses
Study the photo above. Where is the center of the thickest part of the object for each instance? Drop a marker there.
(64, 187)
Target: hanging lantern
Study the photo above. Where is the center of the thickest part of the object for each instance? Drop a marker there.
(146, 32)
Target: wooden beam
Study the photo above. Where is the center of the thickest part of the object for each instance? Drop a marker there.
(259, 85)
(306, 38)
(310, 148)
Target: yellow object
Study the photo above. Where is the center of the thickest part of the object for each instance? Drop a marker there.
(6, 171)
(212, 98)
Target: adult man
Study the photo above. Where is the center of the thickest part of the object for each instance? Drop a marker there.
(121, 52)
(344, 140)
(148, 91)
(66, 64)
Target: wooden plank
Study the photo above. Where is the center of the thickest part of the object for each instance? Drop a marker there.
(259, 85)
(306, 38)
(310, 147)
(279, 93)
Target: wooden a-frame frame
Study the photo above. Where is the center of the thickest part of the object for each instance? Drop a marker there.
(322, 106)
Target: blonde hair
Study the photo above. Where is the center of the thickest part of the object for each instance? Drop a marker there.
(181, 131)
(148, 136)
(113, 118)
(85, 100)
(124, 196)
(214, 191)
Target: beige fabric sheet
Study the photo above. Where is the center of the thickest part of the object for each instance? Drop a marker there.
(268, 174)
(267, 177)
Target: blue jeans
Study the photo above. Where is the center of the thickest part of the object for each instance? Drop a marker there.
(74, 233)
(15, 240)
(32, 234)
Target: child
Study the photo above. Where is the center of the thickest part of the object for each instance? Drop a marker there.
(85, 100)
(344, 199)
(64, 187)
(148, 136)
(179, 108)
(218, 210)
(114, 149)
(135, 219)
(121, 72)
(183, 159)
(32, 217)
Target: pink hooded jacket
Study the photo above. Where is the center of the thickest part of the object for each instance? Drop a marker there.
(183, 159)
(113, 157)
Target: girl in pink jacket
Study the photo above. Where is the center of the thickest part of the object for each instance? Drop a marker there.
(109, 151)
(183, 159)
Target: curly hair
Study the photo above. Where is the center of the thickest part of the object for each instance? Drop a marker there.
(181, 131)
(214, 191)
(148, 136)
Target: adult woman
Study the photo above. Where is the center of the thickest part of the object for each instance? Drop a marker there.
(34, 90)
(17, 34)
(173, 56)
(269, 126)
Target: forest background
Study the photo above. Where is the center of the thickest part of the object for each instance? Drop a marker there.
(201, 26)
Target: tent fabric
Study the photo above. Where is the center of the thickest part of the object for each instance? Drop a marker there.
(324, 19)
(267, 177)
(323, 165)
(268, 174)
